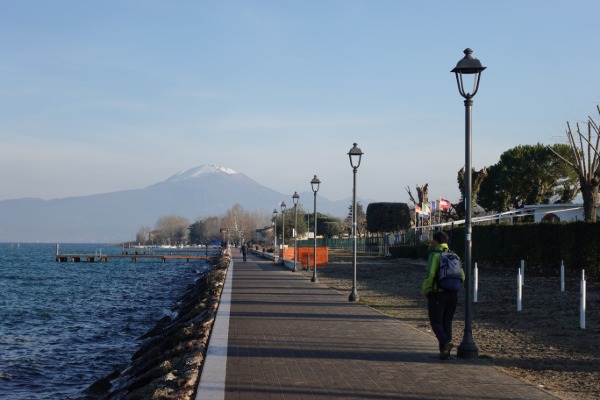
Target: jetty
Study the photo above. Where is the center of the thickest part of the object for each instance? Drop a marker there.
(154, 253)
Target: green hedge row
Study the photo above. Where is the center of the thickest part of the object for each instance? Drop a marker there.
(542, 246)
(419, 251)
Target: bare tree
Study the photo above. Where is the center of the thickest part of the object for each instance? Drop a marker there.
(173, 228)
(240, 223)
(410, 196)
(422, 194)
(476, 178)
(210, 229)
(586, 165)
(361, 220)
(143, 235)
(235, 221)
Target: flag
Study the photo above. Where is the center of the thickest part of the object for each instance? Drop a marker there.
(417, 209)
(425, 208)
(433, 205)
(444, 204)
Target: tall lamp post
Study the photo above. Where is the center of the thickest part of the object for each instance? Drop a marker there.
(468, 66)
(355, 155)
(275, 233)
(283, 207)
(314, 183)
(295, 199)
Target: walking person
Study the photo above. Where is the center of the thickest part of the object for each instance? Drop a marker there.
(244, 250)
(441, 303)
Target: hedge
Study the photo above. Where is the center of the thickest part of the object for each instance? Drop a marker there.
(419, 251)
(543, 246)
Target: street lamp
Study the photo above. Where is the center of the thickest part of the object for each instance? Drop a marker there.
(355, 155)
(314, 183)
(275, 233)
(283, 207)
(468, 66)
(295, 199)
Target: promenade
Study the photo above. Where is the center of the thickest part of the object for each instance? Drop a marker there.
(279, 336)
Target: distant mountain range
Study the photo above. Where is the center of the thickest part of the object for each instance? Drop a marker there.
(115, 217)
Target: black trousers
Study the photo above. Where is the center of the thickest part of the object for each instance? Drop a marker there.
(441, 307)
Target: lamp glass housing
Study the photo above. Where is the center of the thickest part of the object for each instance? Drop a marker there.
(355, 155)
(468, 65)
(314, 183)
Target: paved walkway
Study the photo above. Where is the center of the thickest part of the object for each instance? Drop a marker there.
(289, 338)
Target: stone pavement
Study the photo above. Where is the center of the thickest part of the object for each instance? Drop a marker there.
(289, 338)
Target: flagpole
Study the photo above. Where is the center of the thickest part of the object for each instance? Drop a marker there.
(416, 223)
(430, 217)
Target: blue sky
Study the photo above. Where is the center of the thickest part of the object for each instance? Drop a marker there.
(110, 95)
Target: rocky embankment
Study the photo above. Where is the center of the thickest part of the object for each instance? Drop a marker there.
(169, 360)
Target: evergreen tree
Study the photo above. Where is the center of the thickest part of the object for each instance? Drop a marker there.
(528, 174)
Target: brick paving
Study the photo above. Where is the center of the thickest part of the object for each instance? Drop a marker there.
(290, 338)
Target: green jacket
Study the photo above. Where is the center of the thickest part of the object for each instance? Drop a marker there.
(433, 264)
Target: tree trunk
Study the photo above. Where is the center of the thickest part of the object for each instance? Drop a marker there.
(589, 192)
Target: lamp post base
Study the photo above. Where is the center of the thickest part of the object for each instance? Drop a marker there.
(314, 279)
(467, 350)
(353, 295)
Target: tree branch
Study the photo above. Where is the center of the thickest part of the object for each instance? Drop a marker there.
(410, 195)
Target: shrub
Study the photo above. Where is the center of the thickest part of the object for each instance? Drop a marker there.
(543, 246)
(387, 217)
(419, 251)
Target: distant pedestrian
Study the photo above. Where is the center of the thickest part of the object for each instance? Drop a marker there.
(441, 304)
(244, 251)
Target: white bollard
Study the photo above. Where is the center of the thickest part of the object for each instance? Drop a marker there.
(475, 283)
(519, 291)
(562, 276)
(522, 272)
(582, 302)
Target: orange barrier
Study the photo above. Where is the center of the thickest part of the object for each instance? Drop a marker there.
(305, 255)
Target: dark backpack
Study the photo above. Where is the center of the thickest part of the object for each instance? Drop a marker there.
(449, 275)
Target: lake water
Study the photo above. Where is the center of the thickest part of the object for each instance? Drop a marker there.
(64, 325)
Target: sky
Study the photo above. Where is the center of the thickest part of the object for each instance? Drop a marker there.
(102, 96)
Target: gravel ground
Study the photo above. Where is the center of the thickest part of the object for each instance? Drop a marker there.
(542, 344)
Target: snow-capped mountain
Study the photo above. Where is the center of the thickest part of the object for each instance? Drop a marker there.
(199, 172)
(114, 217)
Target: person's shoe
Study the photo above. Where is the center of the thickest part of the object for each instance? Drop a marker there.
(445, 353)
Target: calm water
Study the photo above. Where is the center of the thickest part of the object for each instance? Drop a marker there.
(63, 325)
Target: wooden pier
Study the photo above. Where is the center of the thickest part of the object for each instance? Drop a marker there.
(134, 257)
(134, 254)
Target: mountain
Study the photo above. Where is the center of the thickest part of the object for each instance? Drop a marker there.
(115, 217)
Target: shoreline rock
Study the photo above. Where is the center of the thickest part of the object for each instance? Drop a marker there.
(168, 363)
